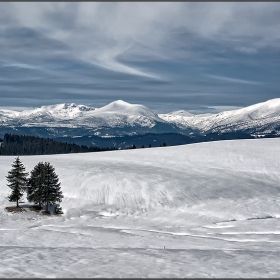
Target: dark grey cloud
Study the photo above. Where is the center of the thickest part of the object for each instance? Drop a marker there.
(167, 56)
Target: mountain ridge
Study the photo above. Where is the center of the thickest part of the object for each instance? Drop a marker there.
(257, 115)
(120, 118)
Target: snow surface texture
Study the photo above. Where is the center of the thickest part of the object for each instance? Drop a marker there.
(127, 119)
(214, 206)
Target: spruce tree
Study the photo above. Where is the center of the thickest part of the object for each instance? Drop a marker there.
(36, 183)
(17, 180)
(58, 209)
(51, 190)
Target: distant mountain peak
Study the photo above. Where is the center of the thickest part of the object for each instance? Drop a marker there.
(67, 106)
(182, 113)
(116, 106)
(122, 107)
(122, 118)
(121, 102)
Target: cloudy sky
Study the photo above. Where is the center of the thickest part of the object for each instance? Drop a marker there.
(200, 57)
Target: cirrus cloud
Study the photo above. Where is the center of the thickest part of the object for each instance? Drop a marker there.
(185, 48)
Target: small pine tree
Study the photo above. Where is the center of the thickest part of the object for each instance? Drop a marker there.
(58, 209)
(51, 189)
(164, 144)
(133, 146)
(35, 184)
(17, 180)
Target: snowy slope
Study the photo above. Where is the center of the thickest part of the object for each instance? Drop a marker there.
(214, 206)
(143, 179)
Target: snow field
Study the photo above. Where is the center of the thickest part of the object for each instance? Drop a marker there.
(214, 206)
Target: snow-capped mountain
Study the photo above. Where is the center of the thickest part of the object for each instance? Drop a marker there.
(116, 118)
(259, 118)
(122, 114)
(120, 118)
(45, 115)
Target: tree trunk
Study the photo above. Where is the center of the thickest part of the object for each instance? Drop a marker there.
(47, 207)
(17, 203)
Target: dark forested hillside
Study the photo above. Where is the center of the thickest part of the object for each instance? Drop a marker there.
(14, 144)
(152, 139)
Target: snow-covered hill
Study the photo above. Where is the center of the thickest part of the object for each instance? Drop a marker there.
(200, 210)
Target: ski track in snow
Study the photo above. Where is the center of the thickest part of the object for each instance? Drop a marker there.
(214, 207)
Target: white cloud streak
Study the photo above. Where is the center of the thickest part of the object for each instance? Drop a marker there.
(100, 32)
(234, 80)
